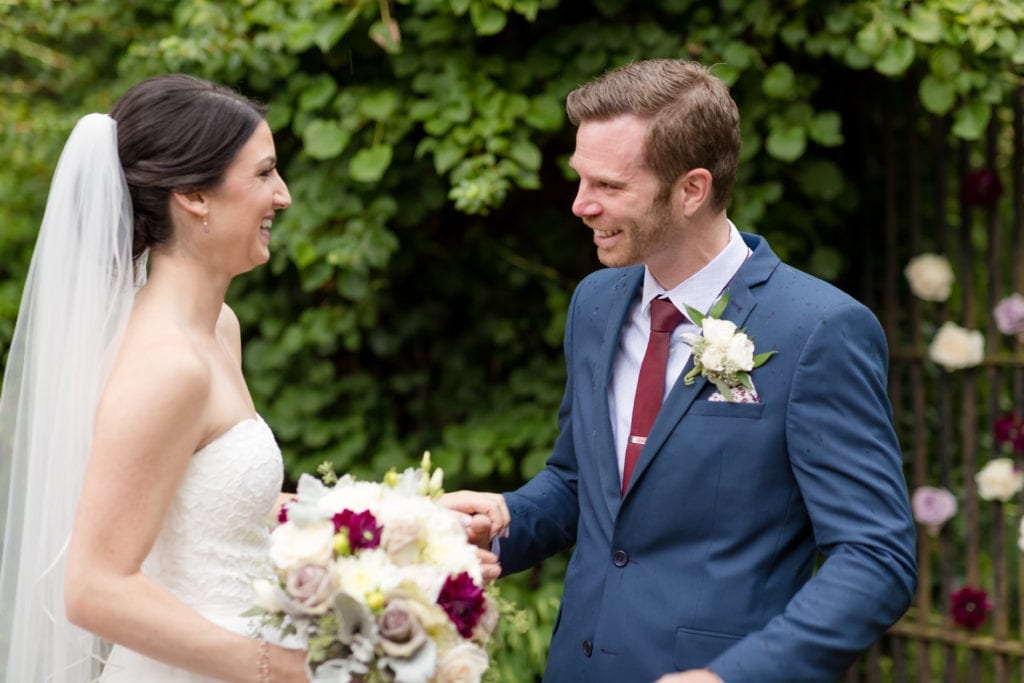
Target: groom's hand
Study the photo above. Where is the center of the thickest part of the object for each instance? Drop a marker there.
(692, 676)
(489, 516)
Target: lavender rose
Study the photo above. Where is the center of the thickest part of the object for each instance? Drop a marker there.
(309, 588)
(401, 632)
(1009, 314)
(933, 507)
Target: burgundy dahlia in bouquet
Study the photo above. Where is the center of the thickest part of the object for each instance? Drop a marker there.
(380, 582)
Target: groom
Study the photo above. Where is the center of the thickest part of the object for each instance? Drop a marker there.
(697, 527)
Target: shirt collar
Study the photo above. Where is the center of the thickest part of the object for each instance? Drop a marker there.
(702, 289)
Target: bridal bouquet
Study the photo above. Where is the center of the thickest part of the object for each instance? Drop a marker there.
(379, 580)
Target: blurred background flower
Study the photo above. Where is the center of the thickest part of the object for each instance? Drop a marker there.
(956, 348)
(969, 607)
(930, 277)
(980, 187)
(933, 507)
(999, 479)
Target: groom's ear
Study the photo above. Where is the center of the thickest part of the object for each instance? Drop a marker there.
(194, 204)
(692, 190)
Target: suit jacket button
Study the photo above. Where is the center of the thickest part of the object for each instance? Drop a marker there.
(588, 648)
(620, 558)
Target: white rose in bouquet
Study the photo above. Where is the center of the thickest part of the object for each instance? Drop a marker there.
(464, 663)
(292, 546)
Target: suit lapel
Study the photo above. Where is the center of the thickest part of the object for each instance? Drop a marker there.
(742, 301)
(624, 293)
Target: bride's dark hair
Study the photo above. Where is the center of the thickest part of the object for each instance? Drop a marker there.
(177, 133)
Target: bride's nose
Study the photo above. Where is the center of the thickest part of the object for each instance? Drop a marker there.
(282, 199)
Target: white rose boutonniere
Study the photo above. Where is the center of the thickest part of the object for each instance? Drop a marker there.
(722, 353)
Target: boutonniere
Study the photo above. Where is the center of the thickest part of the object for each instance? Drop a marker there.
(722, 353)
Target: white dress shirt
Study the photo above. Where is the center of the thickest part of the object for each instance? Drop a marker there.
(699, 292)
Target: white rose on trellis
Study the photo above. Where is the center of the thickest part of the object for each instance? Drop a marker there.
(930, 277)
(1020, 535)
(956, 348)
(999, 479)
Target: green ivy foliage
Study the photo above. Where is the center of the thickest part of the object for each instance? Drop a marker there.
(417, 290)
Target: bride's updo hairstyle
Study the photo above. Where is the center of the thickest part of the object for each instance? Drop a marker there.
(177, 133)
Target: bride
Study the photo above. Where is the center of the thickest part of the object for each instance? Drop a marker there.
(137, 477)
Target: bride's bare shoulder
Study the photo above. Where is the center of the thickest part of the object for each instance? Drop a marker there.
(153, 351)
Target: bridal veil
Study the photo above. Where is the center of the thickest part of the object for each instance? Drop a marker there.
(77, 297)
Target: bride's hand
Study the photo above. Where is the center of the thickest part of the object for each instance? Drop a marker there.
(490, 568)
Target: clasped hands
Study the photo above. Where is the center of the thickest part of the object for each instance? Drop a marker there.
(485, 517)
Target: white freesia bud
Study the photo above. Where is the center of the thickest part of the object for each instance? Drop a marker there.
(265, 596)
(999, 479)
(930, 277)
(436, 482)
(956, 348)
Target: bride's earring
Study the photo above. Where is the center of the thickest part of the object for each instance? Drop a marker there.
(206, 226)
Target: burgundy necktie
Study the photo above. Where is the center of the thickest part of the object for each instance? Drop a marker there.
(650, 388)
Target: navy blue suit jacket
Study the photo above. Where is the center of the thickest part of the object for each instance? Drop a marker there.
(709, 558)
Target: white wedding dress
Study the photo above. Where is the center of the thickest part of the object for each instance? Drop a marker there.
(213, 542)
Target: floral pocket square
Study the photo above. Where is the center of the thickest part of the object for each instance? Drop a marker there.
(740, 394)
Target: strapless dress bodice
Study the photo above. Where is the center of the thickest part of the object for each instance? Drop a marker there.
(213, 541)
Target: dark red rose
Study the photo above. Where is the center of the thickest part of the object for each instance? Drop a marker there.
(463, 600)
(363, 532)
(282, 516)
(980, 187)
(970, 607)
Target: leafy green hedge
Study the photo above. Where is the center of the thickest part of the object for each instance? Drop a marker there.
(416, 294)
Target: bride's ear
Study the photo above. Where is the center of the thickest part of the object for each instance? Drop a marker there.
(192, 204)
